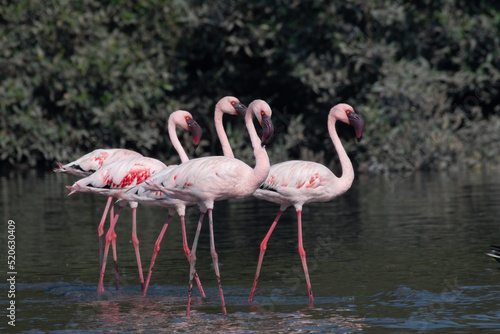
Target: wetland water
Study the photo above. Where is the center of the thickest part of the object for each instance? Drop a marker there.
(395, 254)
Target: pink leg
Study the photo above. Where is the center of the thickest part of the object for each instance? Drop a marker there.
(115, 257)
(188, 252)
(109, 238)
(192, 261)
(135, 241)
(155, 254)
(100, 229)
(215, 260)
(263, 247)
(302, 253)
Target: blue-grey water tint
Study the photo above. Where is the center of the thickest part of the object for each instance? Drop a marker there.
(395, 254)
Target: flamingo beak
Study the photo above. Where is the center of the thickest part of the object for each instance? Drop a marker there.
(268, 129)
(195, 130)
(241, 109)
(357, 123)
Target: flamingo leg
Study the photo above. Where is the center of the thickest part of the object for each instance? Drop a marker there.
(263, 247)
(215, 260)
(188, 252)
(302, 254)
(109, 237)
(155, 254)
(100, 229)
(135, 241)
(115, 257)
(192, 261)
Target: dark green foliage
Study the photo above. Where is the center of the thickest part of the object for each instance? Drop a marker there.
(80, 75)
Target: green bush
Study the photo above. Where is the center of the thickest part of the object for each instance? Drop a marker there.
(80, 75)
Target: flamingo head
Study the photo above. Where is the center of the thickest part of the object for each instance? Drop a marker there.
(195, 129)
(185, 120)
(263, 113)
(231, 105)
(346, 114)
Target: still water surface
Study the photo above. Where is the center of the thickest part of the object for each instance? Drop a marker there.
(395, 254)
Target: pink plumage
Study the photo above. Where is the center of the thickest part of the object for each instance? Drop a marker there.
(227, 105)
(93, 161)
(110, 180)
(113, 178)
(90, 163)
(210, 179)
(299, 182)
(125, 174)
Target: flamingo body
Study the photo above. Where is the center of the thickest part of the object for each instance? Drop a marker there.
(142, 195)
(299, 181)
(115, 177)
(93, 161)
(210, 179)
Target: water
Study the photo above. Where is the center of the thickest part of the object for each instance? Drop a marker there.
(395, 254)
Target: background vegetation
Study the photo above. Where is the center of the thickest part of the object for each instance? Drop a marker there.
(81, 75)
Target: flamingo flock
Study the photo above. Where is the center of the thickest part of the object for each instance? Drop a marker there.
(134, 179)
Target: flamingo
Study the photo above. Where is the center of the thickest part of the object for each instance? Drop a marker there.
(206, 180)
(227, 105)
(299, 182)
(90, 163)
(125, 174)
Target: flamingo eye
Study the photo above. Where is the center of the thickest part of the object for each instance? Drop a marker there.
(188, 118)
(347, 111)
(262, 113)
(233, 103)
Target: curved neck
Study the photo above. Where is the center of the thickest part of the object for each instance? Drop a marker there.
(262, 165)
(172, 133)
(221, 133)
(345, 181)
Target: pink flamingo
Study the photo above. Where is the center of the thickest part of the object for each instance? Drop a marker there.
(299, 182)
(90, 163)
(227, 105)
(125, 174)
(206, 180)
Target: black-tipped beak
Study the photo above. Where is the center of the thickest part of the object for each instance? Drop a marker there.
(195, 130)
(357, 123)
(241, 109)
(268, 129)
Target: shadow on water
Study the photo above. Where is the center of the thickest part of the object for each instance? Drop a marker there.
(394, 254)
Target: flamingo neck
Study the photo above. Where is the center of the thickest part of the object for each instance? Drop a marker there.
(172, 133)
(345, 181)
(262, 165)
(221, 133)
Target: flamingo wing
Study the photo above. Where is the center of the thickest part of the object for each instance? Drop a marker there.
(93, 161)
(296, 174)
(213, 177)
(121, 174)
(85, 165)
(143, 194)
(296, 182)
